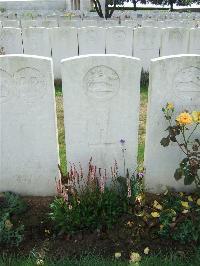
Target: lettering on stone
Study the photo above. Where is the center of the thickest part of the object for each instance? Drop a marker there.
(187, 85)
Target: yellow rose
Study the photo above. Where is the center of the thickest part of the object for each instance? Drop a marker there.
(170, 106)
(185, 204)
(155, 214)
(184, 119)
(196, 116)
(135, 257)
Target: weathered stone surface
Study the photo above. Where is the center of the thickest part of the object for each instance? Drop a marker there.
(36, 41)
(11, 23)
(101, 104)
(173, 79)
(146, 44)
(119, 40)
(11, 40)
(64, 43)
(28, 140)
(194, 41)
(174, 41)
(92, 40)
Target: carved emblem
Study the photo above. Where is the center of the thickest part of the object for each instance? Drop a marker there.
(101, 82)
(31, 84)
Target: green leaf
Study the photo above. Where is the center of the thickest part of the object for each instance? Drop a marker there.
(178, 174)
(165, 142)
(189, 179)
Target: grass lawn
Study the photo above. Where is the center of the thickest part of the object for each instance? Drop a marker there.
(61, 132)
(90, 260)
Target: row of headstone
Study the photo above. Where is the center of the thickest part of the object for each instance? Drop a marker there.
(145, 42)
(49, 23)
(144, 14)
(101, 108)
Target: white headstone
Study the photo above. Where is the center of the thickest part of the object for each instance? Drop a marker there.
(88, 23)
(64, 43)
(11, 23)
(70, 23)
(174, 41)
(194, 41)
(119, 40)
(49, 23)
(173, 79)
(101, 104)
(92, 40)
(36, 41)
(29, 148)
(26, 23)
(11, 40)
(146, 44)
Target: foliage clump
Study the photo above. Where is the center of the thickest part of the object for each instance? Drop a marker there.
(11, 229)
(89, 203)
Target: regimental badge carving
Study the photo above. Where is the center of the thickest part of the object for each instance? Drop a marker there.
(31, 84)
(187, 85)
(101, 82)
(6, 86)
(175, 35)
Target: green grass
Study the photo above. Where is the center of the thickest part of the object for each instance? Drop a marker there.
(61, 131)
(90, 260)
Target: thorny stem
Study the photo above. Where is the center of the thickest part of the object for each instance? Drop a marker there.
(192, 131)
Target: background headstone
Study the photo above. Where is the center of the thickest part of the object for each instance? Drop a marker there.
(92, 40)
(119, 40)
(11, 40)
(146, 45)
(36, 41)
(29, 148)
(174, 41)
(64, 43)
(173, 79)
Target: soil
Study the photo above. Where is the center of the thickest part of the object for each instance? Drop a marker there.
(125, 237)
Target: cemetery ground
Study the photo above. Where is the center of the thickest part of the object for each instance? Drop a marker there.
(168, 233)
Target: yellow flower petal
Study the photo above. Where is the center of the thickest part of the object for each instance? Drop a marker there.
(181, 194)
(185, 211)
(196, 116)
(118, 255)
(8, 224)
(198, 202)
(157, 205)
(184, 119)
(155, 214)
(170, 106)
(185, 204)
(135, 257)
(146, 250)
(190, 198)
